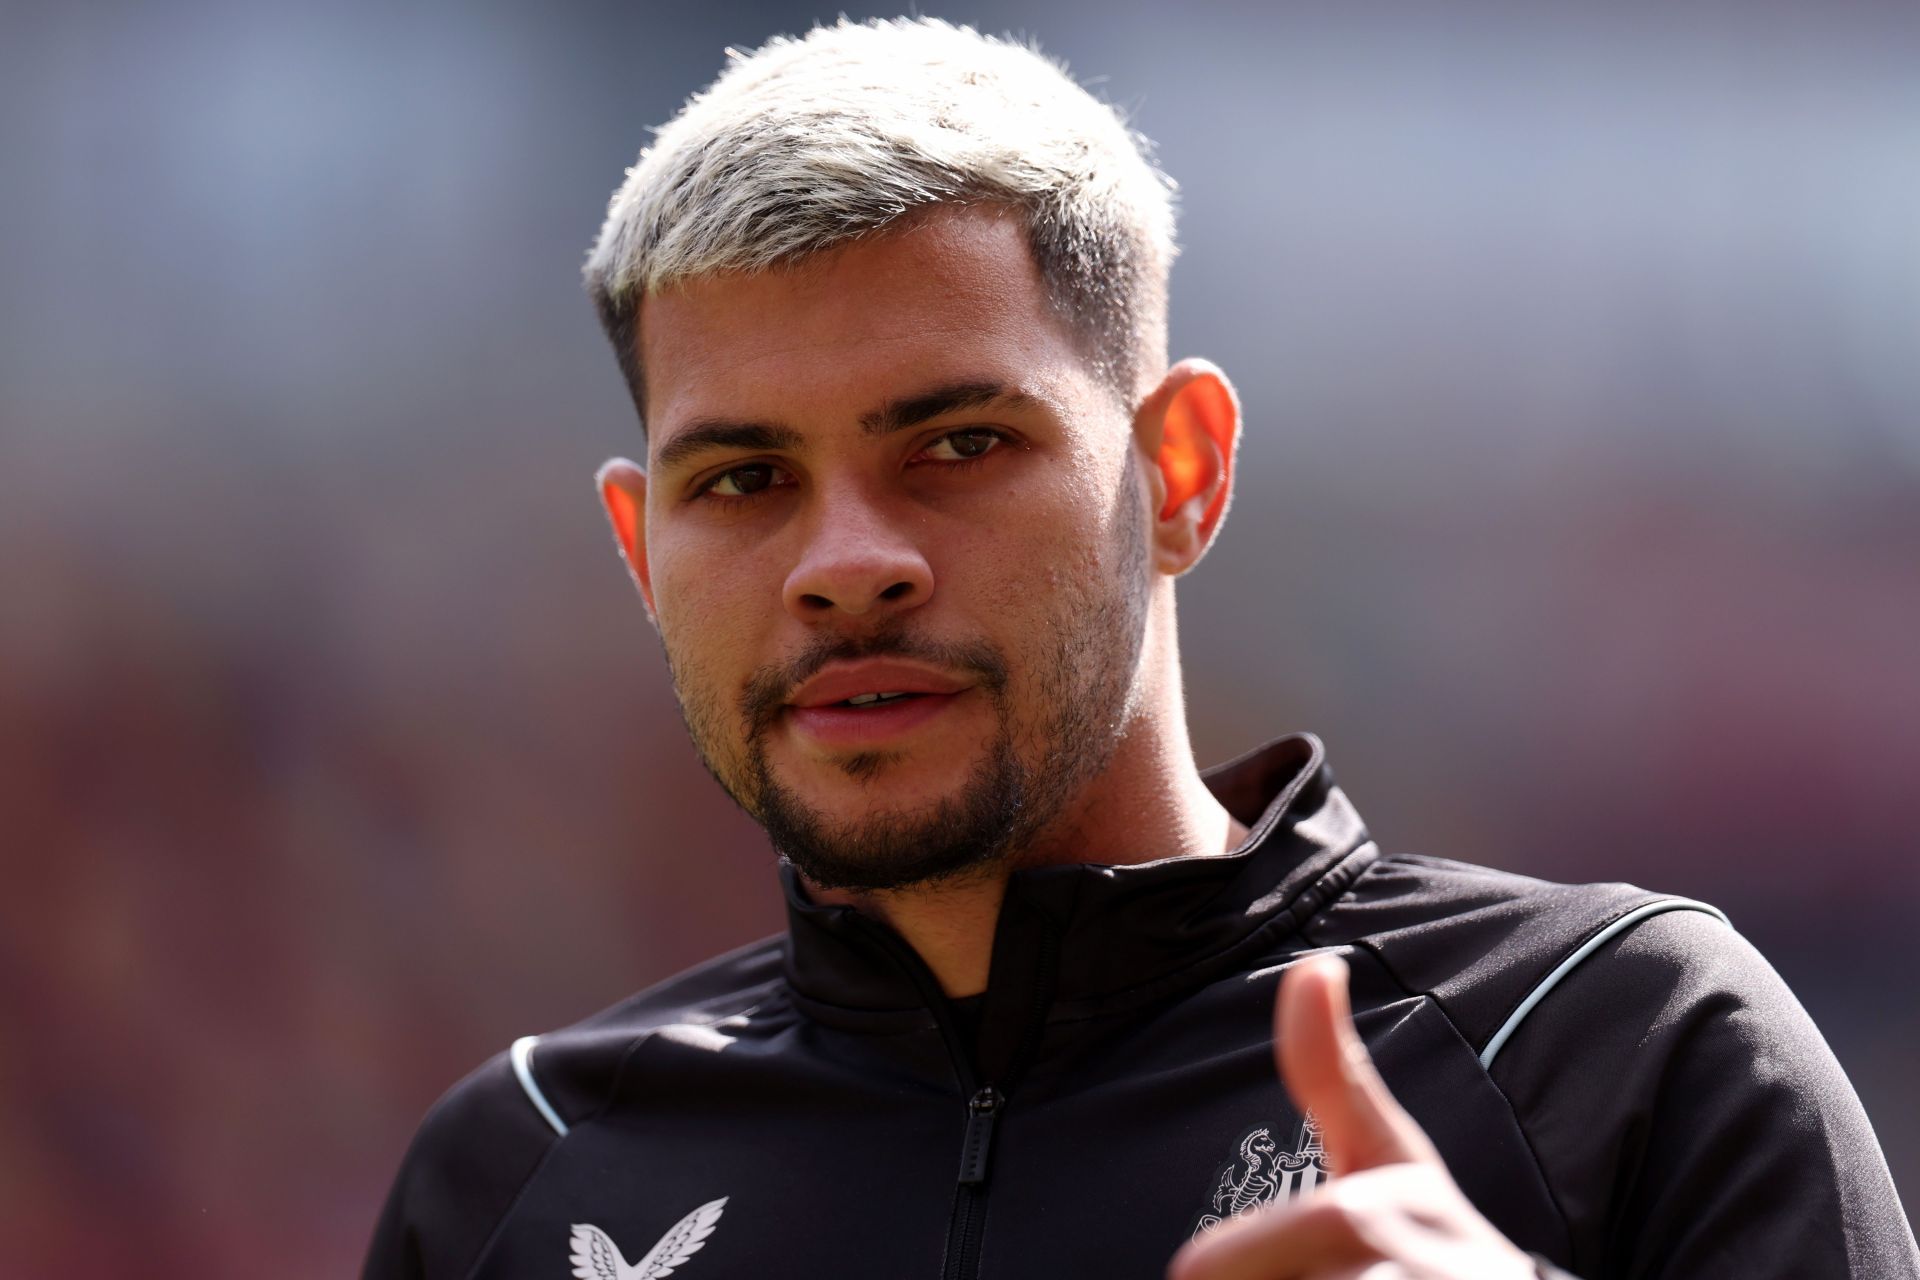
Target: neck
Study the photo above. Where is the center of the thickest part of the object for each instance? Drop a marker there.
(1148, 804)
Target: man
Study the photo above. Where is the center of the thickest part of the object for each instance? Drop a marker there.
(920, 478)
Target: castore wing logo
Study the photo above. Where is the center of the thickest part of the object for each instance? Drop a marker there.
(595, 1257)
(1263, 1173)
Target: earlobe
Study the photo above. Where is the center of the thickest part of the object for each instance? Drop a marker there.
(1191, 422)
(622, 485)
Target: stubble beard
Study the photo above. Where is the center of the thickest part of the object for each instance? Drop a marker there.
(1024, 778)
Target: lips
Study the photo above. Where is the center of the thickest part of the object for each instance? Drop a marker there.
(909, 695)
(843, 681)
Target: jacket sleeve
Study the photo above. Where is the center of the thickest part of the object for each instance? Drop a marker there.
(1692, 1122)
(476, 1149)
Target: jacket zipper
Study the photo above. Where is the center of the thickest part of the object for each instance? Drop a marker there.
(982, 1107)
(966, 1229)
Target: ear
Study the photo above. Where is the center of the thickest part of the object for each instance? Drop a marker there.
(623, 492)
(1190, 426)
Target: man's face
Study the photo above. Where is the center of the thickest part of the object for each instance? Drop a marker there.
(890, 471)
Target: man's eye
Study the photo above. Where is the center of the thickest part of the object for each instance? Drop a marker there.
(744, 482)
(959, 446)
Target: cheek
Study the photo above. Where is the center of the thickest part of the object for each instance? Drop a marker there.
(1087, 554)
(1004, 569)
(709, 614)
(1028, 573)
(706, 577)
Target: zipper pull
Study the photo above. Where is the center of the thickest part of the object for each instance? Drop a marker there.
(982, 1107)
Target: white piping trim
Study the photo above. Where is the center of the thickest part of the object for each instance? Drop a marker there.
(522, 1055)
(1591, 945)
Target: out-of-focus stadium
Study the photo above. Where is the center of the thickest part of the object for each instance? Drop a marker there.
(1579, 512)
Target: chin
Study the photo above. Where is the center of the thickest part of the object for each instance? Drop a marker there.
(847, 786)
(893, 824)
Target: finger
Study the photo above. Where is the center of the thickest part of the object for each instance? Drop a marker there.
(1299, 1242)
(1327, 1071)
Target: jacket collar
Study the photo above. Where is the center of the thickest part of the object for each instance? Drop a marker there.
(1109, 936)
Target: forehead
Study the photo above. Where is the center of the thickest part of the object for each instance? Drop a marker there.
(955, 294)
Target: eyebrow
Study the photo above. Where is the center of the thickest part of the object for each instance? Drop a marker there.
(954, 397)
(707, 434)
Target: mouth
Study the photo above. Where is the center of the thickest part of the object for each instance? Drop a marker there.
(866, 705)
(877, 699)
(879, 720)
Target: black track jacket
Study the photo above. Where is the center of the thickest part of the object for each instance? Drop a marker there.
(1616, 1079)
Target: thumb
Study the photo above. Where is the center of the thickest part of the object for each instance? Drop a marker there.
(1330, 1076)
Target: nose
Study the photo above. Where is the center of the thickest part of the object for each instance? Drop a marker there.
(856, 561)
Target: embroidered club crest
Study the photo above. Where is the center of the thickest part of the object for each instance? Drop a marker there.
(595, 1257)
(1263, 1173)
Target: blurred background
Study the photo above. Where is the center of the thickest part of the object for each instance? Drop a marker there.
(1579, 512)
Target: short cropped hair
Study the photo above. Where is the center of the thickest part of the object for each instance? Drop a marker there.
(808, 143)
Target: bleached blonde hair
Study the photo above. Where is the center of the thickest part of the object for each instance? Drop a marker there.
(807, 143)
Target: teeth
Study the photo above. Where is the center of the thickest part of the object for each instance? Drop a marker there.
(868, 699)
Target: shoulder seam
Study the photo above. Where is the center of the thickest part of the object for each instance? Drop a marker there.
(472, 1269)
(522, 1055)
(1580, 953)
(762, 994)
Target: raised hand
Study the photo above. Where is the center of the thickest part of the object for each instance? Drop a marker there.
(1391, 1210)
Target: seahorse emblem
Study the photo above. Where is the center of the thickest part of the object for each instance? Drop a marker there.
(1262, 1173)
